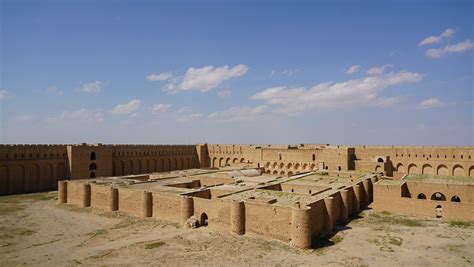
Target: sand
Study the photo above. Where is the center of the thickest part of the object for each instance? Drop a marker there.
(34, 230)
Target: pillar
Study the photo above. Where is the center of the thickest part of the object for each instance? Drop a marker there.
(345, 205)
(146, 204)
(373, 180)
(365, 192)
(187, 208)
(62, 192)
(357, 198)
(113, 199)
(329, 216)
(301, 227)
(237, 217)
(86, 195)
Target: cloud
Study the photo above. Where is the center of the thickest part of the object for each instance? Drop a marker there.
(378, 70)
(450, 49)
(385, 102)
(23, 118)
(243, 113)
(92, 87)
(205, 78)
(224, 93)
(53, 90)
(353, 93)
(127, 108)
(3, 94)
(353, 69)
(431, 103)
(77, 116)
(186, 114)
(164, 76)
(437, 39)
(160, 108)
(286, 72)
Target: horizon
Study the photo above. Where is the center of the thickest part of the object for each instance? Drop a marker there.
(367, 73)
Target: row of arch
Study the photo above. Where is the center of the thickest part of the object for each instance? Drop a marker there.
(19, 178)
(138, 166)
(222, 162)
(456, 170)
(289, 166)
(276, 172)
(438, 196)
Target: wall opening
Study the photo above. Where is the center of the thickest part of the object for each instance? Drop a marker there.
(455, 199)
(438, 197)
(439, 211)
(92, 175)
(93, 156)
(421, 196)
(314, 157)
(339, 168)
(380, 160)
(92, 167)
(203, 220)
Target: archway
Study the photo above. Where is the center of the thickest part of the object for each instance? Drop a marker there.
(380, 160)
(93, 156)
(290, 173)
(427, 169)
(235, 161)
(421, 196)
(221, 162)
(204, 220)
(438, 196)
(458, 170)
(455, 199)
(214, 162)
(471, 171)
(439, 211)
(401, 168)
(412, 169)
(442, 170)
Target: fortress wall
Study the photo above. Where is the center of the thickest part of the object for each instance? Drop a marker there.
(317, 217)
(75, 193)
(302, 188)
(209, 181)
(217, 211)
(166, 207)
(130, 201)
(464, 192)
(268, 220)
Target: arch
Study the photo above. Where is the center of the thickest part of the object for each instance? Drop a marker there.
(92, 167)
(33, 180)
(227, 162)
(421, 196)
(282, 165)
(288, 166)
(275, 165)
(378, 168)
(458, 170)
(471, 171)
(455, 199)
(267, 165)
(92, 175)
(275, 172)
(290, 173)
(339, 168)
(412, 169)
(297, 165)
(47, 179)
(313, 166)
(221, 162)
(235, 161)
(203, 219)
(93, 155)
(214, 162)
(4, 183)
(282, 173)
(304, 167)
(401, 168)
(242, 160)
(268, 172)
(442, 170)
(380, 160)
(438, 196)
(427, 169)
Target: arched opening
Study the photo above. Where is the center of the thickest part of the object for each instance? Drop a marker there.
(314, 157)
(438, 196)
(421, 196)
(93, 156)
(326, 167)
(339, 168)
(203, 219)
(310, 192)
(292, 190)
(455, 199)
(290, 173)
(380, 160)
(92, 167)
(439, 211)
(92, 175)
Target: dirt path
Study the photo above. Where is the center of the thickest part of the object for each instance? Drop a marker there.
(35, 231)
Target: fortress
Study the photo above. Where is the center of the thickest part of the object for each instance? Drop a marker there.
(292, 193)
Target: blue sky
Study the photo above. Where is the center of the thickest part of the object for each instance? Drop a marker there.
(371, 72)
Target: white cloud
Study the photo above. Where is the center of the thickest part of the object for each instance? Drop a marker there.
(23, 118)
(378, 70)
(3, 94)
(286, 72)
(358, 92)
(186, 114)
(53, 90)
(435, 39)
(243, 113)
(385, 102)
(431, 103)
(450, 49)
(205, 78)
(224, 93)
(353, 69)
(92, 87)
(77, 116)
(160, 77)
(160, 108)
(127, 108)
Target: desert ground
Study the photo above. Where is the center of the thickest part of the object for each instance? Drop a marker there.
(34, 230)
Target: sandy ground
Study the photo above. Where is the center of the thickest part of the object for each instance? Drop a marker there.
(36, 231)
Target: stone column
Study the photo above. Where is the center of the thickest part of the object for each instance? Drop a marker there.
(86, 195)
(113, 199)
(187, 208)
(146, 204)
(301, 227)
(237, 217)
(62, 192)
